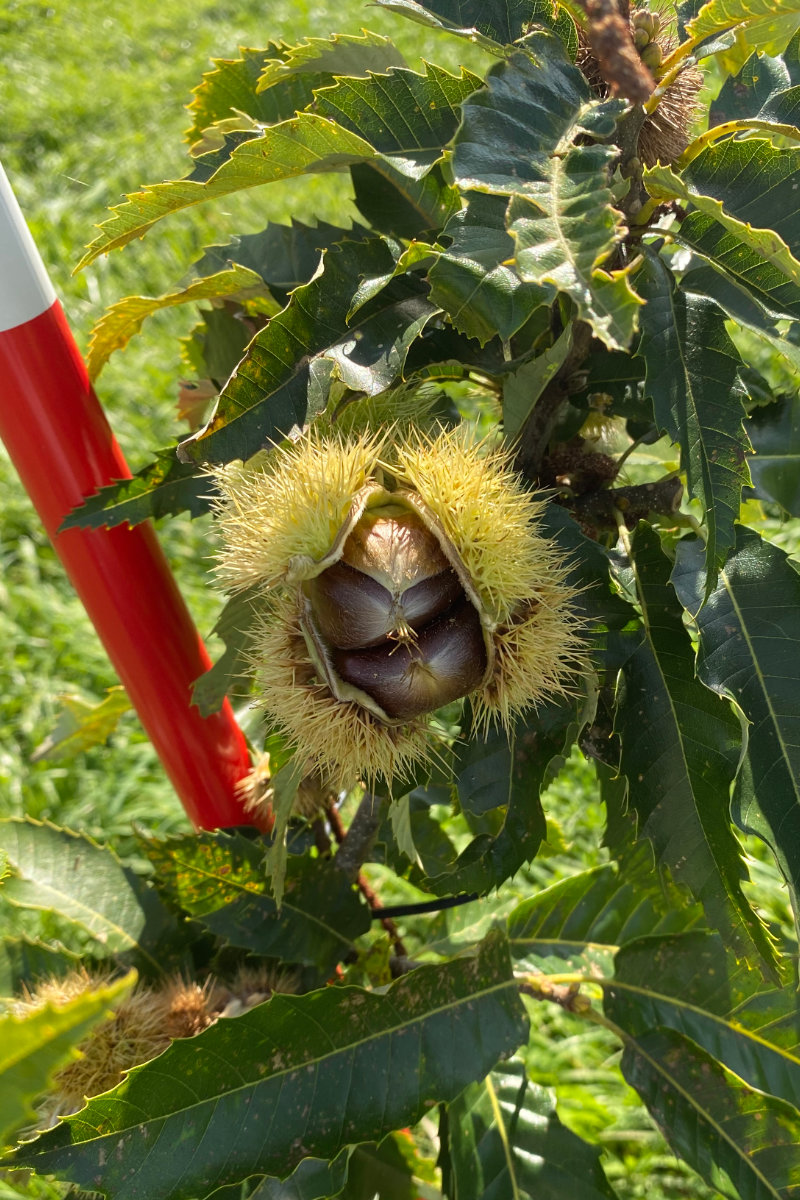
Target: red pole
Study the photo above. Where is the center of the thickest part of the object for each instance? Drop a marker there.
(62, 447)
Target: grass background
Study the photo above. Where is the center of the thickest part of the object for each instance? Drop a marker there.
(92, 97)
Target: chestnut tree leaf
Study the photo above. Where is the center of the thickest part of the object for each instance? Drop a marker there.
(505, 1139)
(751, 188)
(124, 319)
(693, 377)
(340, 54)
(749, 651)
(230, 674)
(502, 775)
(408, 117)
(24, 960)
(680, 750)
(165, 487)
(517, 139)
(219, 879)
(579, 923)
(728, 251)
(303, 144)
(767, 25)
(307, 1076)
(775, 467)
(492, 22)
(475, 282)
(111, 911)
(744, 1144)
(283, 379)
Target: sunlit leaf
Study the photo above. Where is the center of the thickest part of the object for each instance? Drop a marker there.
(34, 1045)
(339, 54)
(473, 280)
(276, 388)
(114, 913)
(124, 319)
(82, 725)
(518, 139)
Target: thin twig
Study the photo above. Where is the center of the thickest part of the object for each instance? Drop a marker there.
(367, 891)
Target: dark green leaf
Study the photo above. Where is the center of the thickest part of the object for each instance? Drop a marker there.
(497, 22)
(111, 910)
(743, 1143)
(691, 983)
(744, 95)
(399, 206)
(775, 433)
(409, 118)
(230, 675)
(285, 256)
(739, 304)
(522, 389)
(313, 1179)
(503, 775)
(750, 651)
(783, 107)
(517, 139)
(23, 960)
(472, 281)
(283, 381)
(163, 488)
(744, 265)
(225, 339)
(578, 923)
(680, 750)
(692, 376)
(791, 58)
(506, 1140)
(219, 879)
(380, 1173)
(306, 1076)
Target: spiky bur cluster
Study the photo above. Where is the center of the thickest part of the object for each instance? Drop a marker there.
(141, 1026)
(397, 574)
(667, 131)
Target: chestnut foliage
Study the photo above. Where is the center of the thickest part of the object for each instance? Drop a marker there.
(578, 254)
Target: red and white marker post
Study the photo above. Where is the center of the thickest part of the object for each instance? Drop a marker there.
(62, 447)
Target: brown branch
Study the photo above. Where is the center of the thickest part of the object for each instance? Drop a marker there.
(634, 503)
(612, 45)
(367, 891)
(536, 432)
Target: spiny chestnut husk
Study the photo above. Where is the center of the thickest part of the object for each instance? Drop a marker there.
(667, 131)
(396, 576)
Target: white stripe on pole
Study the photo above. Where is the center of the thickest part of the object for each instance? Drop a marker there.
(25, 287)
